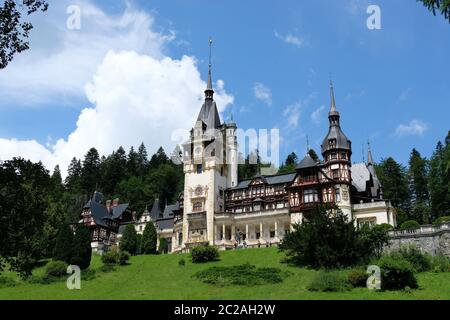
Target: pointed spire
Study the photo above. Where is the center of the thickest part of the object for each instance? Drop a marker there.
(369, 155)
(209, 92)
(333, 109)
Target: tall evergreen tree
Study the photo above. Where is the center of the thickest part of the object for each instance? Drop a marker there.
(129, 240)
(82, 250)
(394, 180)
(313, 155)
(143, 159)
(132, 163)
(90, 172)
(159, 158)
(439, 181)
(149, 239)
(418, 183)
(434, 6)
(73, 180)
(64, 244)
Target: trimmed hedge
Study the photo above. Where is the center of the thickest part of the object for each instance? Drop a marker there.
(203, 254)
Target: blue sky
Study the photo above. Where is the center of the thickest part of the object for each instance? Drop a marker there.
(275, 61)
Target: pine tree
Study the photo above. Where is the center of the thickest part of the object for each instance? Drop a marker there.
(64, 244)
(159, 158)
(313, 155)
(418, 183)
(73, 179)
(439, 181)
(143, 159)
(82, 250)
(394, 180)
(129, 240)
(149, 239)
(90, 172)
(132, 163)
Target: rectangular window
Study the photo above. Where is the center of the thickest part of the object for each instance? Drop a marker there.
(333, 156)
(338, 195)
(199, 169)
(335, 174)
(272, 234)
(344, 156)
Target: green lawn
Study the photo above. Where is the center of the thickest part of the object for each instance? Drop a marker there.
(160, 277)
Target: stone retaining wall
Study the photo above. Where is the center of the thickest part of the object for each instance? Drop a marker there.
(429, 239)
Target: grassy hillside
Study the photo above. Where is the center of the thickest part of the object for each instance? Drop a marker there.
(160, 277)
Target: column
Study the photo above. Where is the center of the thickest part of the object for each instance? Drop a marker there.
(216, 235)
(233, 232)
(223, 232)
(276, 229)
(261, 231)
(247, 236)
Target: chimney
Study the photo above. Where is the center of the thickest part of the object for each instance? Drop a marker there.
(116, 202)
(108, 205)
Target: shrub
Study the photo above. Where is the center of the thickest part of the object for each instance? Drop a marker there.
(206, 253)
(82, 250)
(358, 278)
(129, 240)
(64, 242)
(419, 261)
(149, 239)
(440, 220)
(326, 241)
(6, 282)
(396, 273)
(182, 262)
(410, 225)
(243, 275)
(107, 268)
(115, 257)
(163, 245)
(330, 281)
(440, 263)
(56, 269)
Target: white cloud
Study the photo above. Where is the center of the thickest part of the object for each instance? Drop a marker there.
(316, 116)
(263, 93)
(292, 114)
(290, 39)
(414, 128)
(135, 98)
(61, 61)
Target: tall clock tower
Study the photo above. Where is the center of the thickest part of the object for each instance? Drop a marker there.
(210, 166)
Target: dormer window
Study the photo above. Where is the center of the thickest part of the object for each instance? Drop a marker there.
(332, 143)
(333, 156)
(198, 207)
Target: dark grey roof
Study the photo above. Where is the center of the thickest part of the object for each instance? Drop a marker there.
(118, 210)
(342, 142)
(100, 213)
(209, 115)
(271, 180)
(165, 224)
(155, 213)
(168, 211)
(307, 162)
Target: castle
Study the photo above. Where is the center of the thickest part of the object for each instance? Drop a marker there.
(218, 209)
